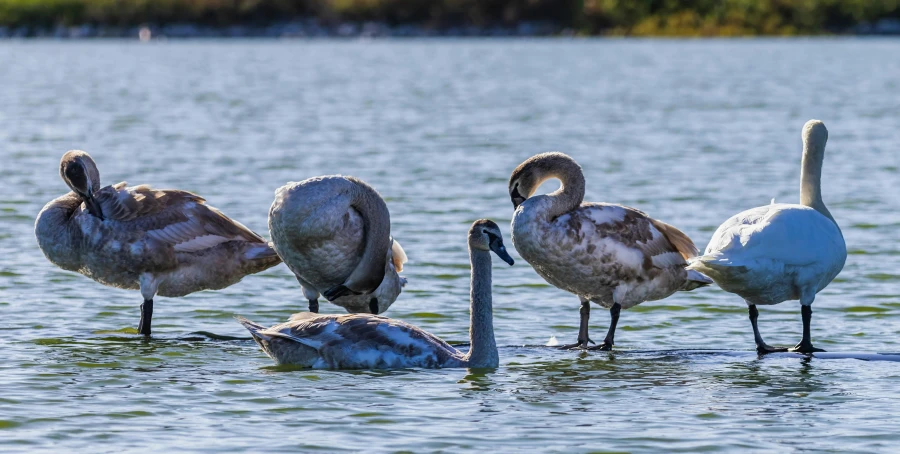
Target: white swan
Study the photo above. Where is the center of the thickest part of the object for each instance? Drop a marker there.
(613, 255)
(781, 251)
(364, 341)
(334, 233)
(165, 242)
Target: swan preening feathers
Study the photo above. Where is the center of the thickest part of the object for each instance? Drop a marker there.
(781, 252)
(367, 341)
(334, 233)
(161, 241)
(613, 255)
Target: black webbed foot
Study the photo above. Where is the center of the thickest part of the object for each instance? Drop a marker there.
(764, 349)
(804, 347)
(580, 345)
(605, 346)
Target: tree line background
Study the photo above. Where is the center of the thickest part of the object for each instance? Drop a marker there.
(589, 17)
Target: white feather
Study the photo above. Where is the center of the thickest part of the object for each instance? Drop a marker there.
(202, 242)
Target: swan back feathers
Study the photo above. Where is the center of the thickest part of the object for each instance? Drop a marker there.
(354, 341)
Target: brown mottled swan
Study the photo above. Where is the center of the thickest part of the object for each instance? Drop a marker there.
(161, 241)
(613, 255)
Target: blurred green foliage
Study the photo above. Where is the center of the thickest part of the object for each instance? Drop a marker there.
(731, 17)
(611, 17)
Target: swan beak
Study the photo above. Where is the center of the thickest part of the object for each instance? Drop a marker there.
(500, 250)
(516, 198)
(93, 207)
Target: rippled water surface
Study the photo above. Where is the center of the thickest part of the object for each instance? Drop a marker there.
(688, 131)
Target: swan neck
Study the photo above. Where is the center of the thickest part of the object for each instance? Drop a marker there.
(59, 211)
(811, 178)
(55, 230)
(369, 273)
(483, 350)
(570, 195)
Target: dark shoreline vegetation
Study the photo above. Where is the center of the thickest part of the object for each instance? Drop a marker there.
(312, 18)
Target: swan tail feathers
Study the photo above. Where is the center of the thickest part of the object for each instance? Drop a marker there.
(261, 252)
(682, 243)
(398, 255)
(719, 268)
(695, 280)
(254, 328)
(262, 256)
(263, 340)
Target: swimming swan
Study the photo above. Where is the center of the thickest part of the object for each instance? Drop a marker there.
(334, 233)
(365, 341)
(165, 242)
(613, 255)
(781, 251)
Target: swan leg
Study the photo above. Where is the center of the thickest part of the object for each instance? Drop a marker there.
(146, 317)
(149, 285)
(583, 338)
(805, 345)
(761, 346)
(311, 295)
(610, 335)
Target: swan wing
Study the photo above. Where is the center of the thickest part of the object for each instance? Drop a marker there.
(790, 234)
(364, 340)
(174, 217)
(609, 233)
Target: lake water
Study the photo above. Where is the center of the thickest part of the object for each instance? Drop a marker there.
(689, 131)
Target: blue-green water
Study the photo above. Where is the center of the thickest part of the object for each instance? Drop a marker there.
(688, 131)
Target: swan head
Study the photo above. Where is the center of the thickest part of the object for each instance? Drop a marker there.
(529, 175)
(80, 173)
(814, 136)
(485, 235)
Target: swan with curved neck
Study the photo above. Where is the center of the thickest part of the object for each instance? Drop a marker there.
(613, 255)
(166, 242)
(366, 341)
(779, 252)
(334, 233)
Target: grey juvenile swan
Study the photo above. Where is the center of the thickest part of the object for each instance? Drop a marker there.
(334, 233)
(364, 341)
(165, 242)
(779, 252)
(613, 255)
